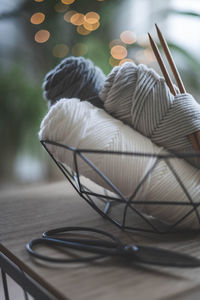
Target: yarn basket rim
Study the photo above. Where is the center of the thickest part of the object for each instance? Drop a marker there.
(109, 201)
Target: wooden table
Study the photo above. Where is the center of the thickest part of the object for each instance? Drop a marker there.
(26, 212)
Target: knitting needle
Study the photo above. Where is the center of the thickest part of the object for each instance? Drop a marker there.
(170, 60)
(195, 139)
(162, 65)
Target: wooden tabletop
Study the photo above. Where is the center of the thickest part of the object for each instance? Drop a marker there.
(26, 212)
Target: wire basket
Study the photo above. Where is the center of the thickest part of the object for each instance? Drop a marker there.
(113, 205)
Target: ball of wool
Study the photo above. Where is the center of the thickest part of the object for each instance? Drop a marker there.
(74, 77)
(83, 126)
(141, 98)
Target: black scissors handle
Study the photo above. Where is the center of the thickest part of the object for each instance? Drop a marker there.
(107, 245)
(101, 247)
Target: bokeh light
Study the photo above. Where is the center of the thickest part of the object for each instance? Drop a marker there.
(125, 60)
(37, 18)
(42, 36)
(92, 17)
(118, 52)
(115, 42)
(82, 30)
(77, 19)
(39, 0)
(91, 27)
(128, 37)
(140, 57)
(113, 62)
(60, 7)
(60, 50)
(68, 15)
(149, 55)
(79, 49)
(143, 40)
(67, 1)
(145, 56)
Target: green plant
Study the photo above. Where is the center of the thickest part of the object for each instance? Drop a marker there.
(21, 110)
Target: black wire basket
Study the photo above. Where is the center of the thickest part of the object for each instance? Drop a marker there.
(113, 205)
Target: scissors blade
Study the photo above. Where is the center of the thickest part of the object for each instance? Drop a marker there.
(159, 256)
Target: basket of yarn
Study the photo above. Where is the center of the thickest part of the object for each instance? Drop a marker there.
(126, 151)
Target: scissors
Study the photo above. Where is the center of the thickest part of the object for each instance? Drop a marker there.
(105, 245)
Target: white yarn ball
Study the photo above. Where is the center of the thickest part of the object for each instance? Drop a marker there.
(83, 126)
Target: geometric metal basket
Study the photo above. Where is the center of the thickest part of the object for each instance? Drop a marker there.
(115, 206)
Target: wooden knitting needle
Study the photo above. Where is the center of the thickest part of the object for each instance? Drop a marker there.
(170, 60)
(162, 65)
(194, 138)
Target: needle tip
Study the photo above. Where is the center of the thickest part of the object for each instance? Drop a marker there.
(150, 37)
(157, 29)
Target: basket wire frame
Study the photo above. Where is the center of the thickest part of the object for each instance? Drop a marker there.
(110, 201)
(5, 285)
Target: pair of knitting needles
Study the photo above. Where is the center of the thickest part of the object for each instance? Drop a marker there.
(194, 137)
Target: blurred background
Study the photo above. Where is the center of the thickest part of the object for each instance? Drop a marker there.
(35, 35)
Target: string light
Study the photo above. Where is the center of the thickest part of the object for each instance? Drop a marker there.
(68, 15)
(79, 49)
(118, 52)
(82, 30)
(92, 17)
(128, 37)
(42, 36)
(77, 19)
(60, 50)
(37, 18)
(67, 1)
(91, 27)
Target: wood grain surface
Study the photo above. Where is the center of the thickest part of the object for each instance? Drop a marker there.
(26, 212)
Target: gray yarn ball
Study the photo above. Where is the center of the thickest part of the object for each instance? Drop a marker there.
(139, 97)
(74, 77)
